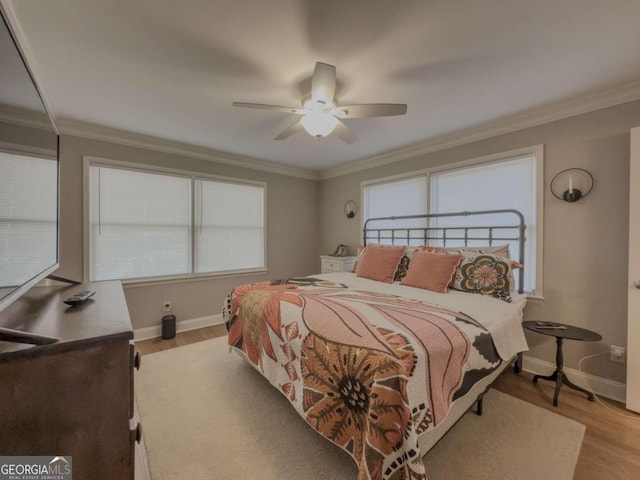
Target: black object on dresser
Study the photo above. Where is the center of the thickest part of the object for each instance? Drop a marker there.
(562, 331)
(73, 397)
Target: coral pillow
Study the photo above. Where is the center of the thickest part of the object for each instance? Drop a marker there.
(361, 250)
(431, 271)
(405, 261)
(379, 262)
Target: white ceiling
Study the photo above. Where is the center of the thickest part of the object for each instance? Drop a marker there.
(170, 69)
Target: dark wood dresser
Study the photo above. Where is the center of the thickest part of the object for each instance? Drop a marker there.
(74, 397)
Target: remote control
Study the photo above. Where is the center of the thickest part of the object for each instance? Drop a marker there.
(79, 298)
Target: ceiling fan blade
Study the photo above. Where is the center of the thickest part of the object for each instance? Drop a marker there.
(372, 110)
(344, 133)
(296, 127)
(323, 83)
(279, 108)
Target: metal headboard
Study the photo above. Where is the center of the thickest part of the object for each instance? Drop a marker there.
(430, 235)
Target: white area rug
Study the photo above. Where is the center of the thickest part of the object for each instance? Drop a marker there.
(207, 414)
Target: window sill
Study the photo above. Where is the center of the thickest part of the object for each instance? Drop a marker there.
(535, 299)
(147, 282)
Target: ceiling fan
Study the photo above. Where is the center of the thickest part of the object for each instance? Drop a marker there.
(320, 111)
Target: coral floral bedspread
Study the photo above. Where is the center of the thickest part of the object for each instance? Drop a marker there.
(370, 371)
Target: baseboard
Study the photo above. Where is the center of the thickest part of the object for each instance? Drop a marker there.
(600, 386)
(182, 326)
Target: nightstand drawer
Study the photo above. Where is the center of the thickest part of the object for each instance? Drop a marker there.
(331, 266)
(336, 264)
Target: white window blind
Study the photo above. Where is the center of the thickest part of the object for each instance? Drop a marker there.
(500, 185)
(396, 198)
(229, 226)
(140, 224)
(28, 217)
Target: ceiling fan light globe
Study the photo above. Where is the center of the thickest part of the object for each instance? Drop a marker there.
(318, 124)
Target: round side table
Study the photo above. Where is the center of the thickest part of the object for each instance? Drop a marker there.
(568, 332)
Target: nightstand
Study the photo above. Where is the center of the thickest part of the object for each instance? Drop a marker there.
(336, 264)
(562, 331)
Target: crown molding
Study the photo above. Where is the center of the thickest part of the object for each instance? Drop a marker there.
(24, 117)
(121, 137)
(511, 123)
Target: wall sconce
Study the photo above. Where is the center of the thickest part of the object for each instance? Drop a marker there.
(350, 209)
(572, 184)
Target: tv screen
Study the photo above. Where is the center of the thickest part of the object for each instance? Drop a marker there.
(28, 177)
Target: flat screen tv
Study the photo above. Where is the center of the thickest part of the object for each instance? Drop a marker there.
(28, 180)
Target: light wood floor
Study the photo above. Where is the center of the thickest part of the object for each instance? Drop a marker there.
(611, 446)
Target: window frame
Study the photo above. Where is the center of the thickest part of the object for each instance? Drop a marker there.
(89, 161)
(536, 151)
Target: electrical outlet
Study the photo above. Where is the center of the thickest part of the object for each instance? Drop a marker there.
(166, 306)
(617, 354)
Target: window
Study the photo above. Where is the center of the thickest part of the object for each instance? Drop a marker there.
(28, 217)
(229, 223)
(499, 185)
(407, 196)
(507, 181)
(142, 224)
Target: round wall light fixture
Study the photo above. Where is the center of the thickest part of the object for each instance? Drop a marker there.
(350, 209)
(572, 184)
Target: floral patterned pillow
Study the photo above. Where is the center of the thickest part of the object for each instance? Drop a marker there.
(499, 251)
(485, 274)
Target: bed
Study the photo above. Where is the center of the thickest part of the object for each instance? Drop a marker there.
(383, 366)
